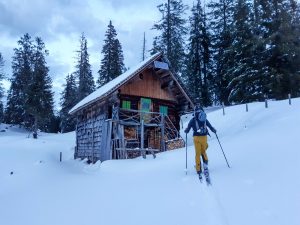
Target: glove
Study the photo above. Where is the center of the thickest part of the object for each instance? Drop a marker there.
(186, 131)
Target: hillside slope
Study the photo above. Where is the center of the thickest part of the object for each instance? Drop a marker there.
(261, 187)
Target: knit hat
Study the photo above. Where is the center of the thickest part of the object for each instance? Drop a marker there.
(197, 108)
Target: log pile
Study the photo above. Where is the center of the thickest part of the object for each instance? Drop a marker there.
(174, 144)
(130, 133)
(154, 139)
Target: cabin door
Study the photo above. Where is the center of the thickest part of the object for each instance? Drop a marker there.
(145, 105)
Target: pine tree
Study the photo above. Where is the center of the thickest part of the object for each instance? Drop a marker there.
(245, 84)
(1, 75)
(1, 112)
(112, 64)
(221, 21)
(67, 101)
(21, 77)
(30, 99)
(295, 67)
(1, 88)
(172, 30)
(198, 57)
(39, 97)
(86, 84)
(283, 50)
(280, 47)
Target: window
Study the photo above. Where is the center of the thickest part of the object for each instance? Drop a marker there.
(126, 105)
(163, 109)
(145, 104)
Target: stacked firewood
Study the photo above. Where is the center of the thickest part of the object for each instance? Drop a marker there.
(174, 144)
(130, 133)
(154, 139)
(133, 154)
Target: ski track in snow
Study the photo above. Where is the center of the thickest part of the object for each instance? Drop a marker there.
(214, 213)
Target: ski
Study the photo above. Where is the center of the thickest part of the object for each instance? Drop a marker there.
(206, 174)
(200, 177)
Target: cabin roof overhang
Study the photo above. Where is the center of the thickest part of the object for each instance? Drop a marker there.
(115, 84)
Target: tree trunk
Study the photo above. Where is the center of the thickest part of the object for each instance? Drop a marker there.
(35, 127)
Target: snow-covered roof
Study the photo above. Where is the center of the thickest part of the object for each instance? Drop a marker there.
(113, 85)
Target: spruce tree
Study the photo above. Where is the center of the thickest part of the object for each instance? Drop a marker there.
(67, 101)
(295, 67)
(1, 112)
(198, 57)
(1, 75)
(21, 77)
(30, 99)
(280, 47)
(112, 64)
(86, 84)
(283, 49)
(39, 97)
(171, 39)
(245, 84)
(1, 88)
(221, 22)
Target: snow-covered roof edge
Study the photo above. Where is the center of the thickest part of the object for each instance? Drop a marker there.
(113, 85)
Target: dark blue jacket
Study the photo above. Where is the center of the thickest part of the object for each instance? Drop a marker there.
(192, 124)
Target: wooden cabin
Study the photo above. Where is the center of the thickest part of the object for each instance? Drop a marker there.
(137, 113)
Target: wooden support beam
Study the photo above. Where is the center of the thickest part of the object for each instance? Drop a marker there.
(159, 71)
(167, 84)
(162, 73)
(142, 138)
(138, 149)
(163, 147)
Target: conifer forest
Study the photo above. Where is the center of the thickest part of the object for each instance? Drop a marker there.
(224, 51)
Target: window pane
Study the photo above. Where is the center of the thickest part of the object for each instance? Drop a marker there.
(163, 109)
(126, 104)
(145, 104)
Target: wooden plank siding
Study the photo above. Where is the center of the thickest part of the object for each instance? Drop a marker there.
(147, 84)
(172, 107)
(91, 133)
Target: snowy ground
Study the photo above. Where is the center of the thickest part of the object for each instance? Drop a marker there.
(262, 186)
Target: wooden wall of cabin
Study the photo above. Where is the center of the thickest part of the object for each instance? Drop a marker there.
(92, 133)
(172, 106)
(152, 134)
(147, 84)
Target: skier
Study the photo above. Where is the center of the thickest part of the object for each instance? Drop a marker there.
(199, 123)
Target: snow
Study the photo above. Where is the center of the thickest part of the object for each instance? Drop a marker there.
(261, 187)
(110, 86)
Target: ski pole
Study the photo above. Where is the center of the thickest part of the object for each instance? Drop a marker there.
(185, 153)
(222, 150)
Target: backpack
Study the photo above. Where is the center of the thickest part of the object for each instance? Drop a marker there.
(202, 116)
(201, 127)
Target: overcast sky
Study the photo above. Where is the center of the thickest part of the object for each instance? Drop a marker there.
(60, 23)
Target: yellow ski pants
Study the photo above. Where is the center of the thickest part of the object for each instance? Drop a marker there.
(201, 145)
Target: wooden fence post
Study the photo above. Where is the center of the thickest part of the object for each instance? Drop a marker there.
(223, 108)
(290, 100)
(247, 107)
(60, 156)
(266, 102)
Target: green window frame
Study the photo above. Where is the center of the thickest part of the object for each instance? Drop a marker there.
(126, 104)
(163, 109)
(145, 104)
